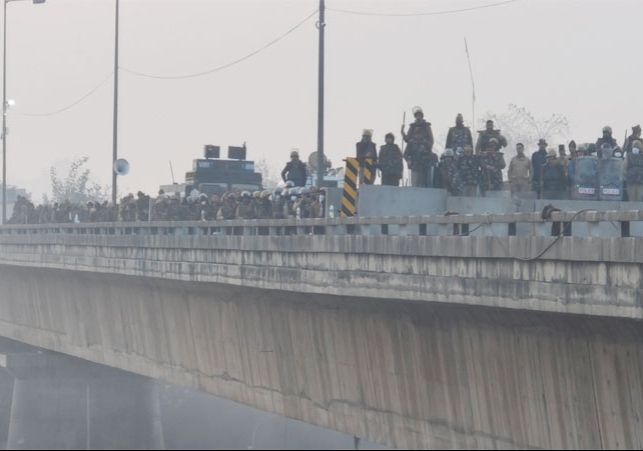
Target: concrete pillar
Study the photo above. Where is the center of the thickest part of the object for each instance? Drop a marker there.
(6, 395)
(64, 403)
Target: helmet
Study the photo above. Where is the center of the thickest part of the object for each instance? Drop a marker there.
(304, 190)
(448, 153)
(245, 194)
(290, 184)
(265, 194)
(232, 196)
(256, 194)
(294, 153)
(277, 192)
(293, 191)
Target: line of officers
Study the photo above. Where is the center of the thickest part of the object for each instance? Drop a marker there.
(288, 202)
(594, 171)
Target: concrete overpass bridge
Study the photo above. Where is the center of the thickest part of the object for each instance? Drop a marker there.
(476, 331)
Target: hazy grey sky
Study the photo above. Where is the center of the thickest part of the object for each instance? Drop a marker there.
(579, 58)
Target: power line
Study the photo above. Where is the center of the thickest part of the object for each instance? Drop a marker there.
(93, 90)
(435, 13)
(99, 85)
(225, 66)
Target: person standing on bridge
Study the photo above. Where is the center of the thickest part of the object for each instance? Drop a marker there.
(419, 151)
(391, 162)
(492, 162)
(538, 160)
(469, 169)
(489, 133)
(635, 136)
(520, 172)
(458, 136)
(295, 170)
(553, 179)
(633, 172)
(366, 150)
(605, 139)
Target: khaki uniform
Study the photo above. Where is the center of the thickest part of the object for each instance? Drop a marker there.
(520, 174)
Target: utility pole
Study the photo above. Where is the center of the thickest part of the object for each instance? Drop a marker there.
(321, 166)
(115, 136)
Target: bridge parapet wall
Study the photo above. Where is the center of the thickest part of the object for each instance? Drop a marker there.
(591, 275)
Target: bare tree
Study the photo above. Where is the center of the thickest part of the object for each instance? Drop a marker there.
(270, 178)
(77, 187)
(520, 126)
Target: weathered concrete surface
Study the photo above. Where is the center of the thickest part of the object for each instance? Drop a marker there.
(591, 276)
(405, 374)
(395, 339)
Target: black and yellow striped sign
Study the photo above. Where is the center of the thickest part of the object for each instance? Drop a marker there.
(349, 197)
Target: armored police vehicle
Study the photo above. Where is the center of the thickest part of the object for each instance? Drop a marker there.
(215, 175)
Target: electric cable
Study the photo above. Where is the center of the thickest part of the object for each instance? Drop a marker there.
(61, 110)
(435, 13)
(225, 66)
(537, 257)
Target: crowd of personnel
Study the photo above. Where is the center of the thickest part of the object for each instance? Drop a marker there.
(465, 170)
(462, 170)
(288, 202)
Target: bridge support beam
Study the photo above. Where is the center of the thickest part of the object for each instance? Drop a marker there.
(60, 402)
(6, 395)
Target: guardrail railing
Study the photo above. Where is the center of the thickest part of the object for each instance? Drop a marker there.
(581, 223)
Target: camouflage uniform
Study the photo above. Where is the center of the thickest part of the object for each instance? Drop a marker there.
(448, 177)
(469, 169)
(419, 153)
(491, 172)
(458, 136)
(484, 136)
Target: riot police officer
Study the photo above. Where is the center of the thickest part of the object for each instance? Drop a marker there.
(391, 162)
(633, 172)
(295, 170)
(552, 178)
(419, 151)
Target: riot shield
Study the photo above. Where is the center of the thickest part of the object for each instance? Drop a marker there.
(583, 173)
(610, 175)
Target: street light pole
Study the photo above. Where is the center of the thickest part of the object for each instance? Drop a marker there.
(5, 105)
(321, 161)
(4, 115)
(115, 135)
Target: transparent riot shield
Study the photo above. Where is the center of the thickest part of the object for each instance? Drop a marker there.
(610, 175)
(583, 173)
